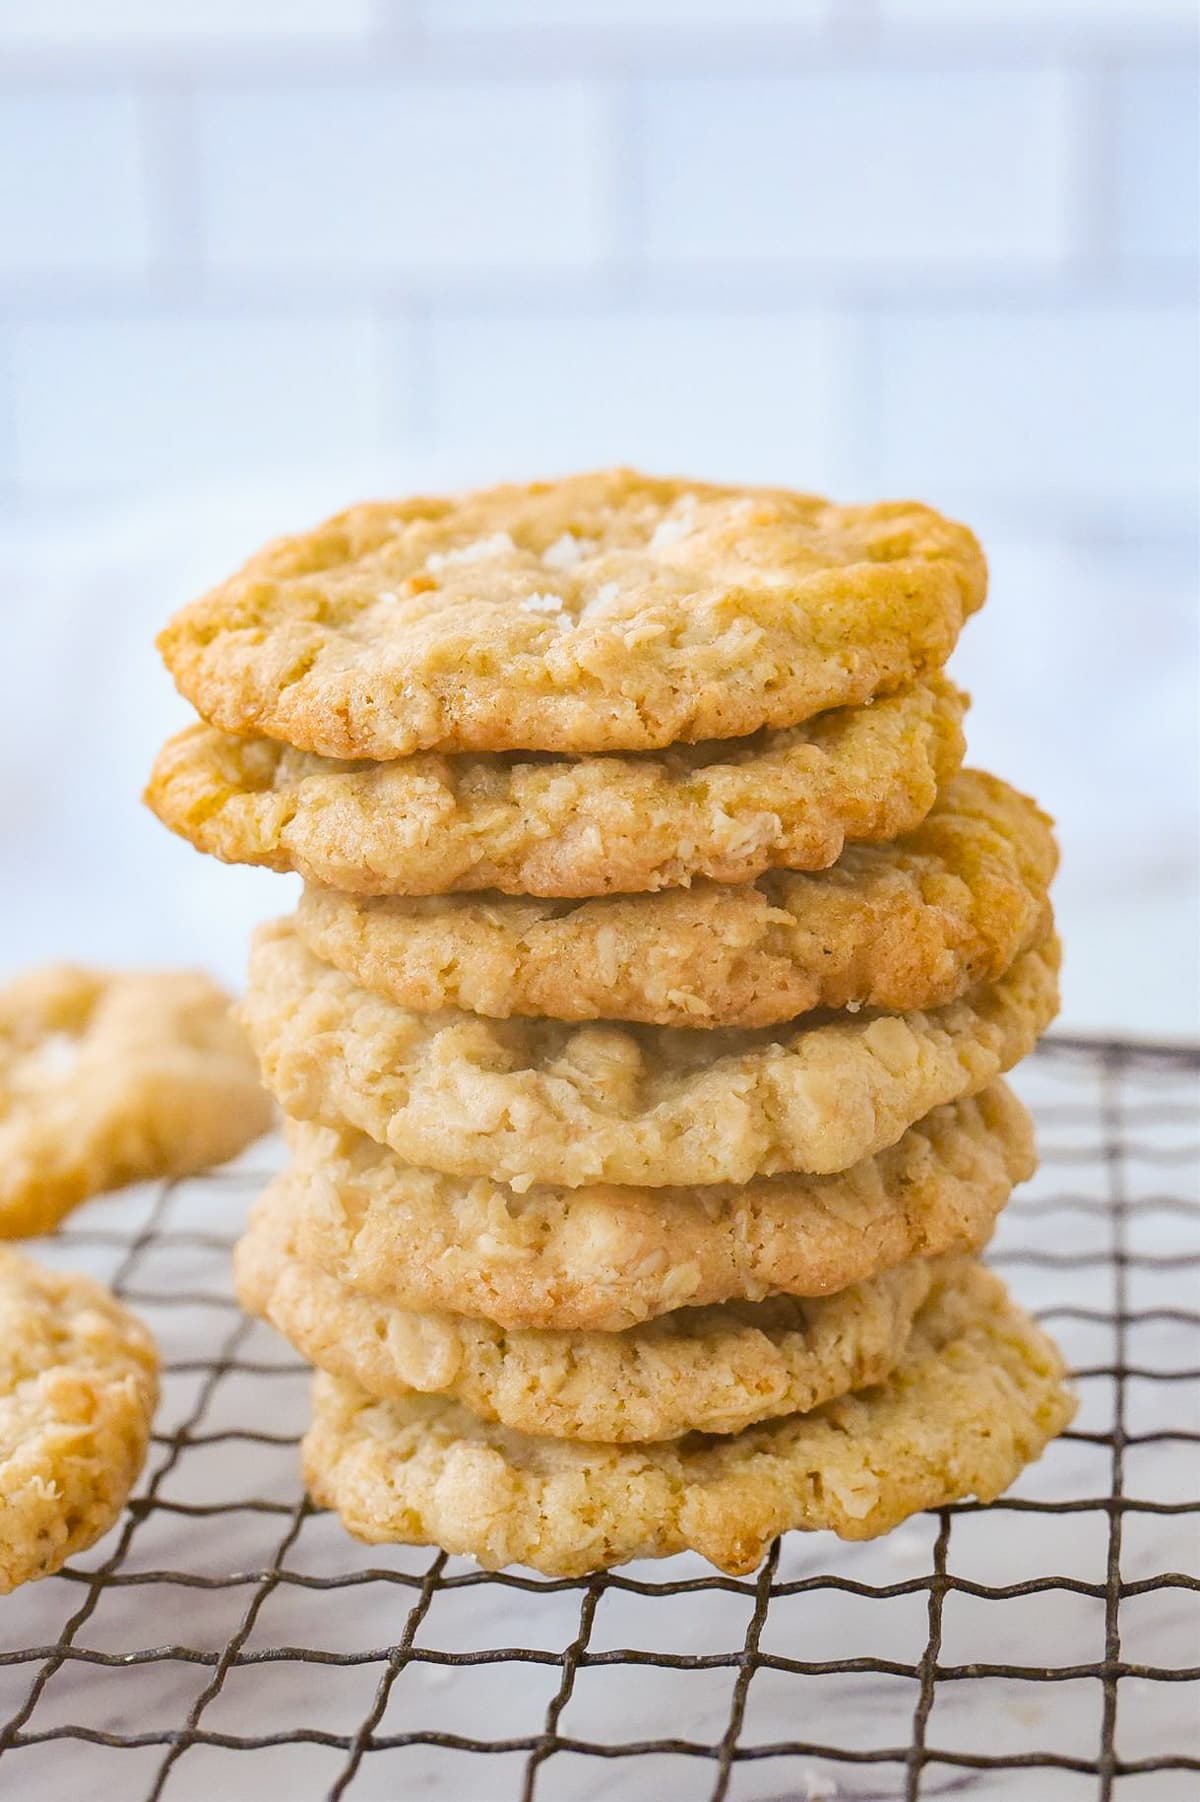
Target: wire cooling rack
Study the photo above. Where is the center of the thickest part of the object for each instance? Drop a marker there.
(229, 1640)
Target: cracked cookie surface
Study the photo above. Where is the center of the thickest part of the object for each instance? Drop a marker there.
(712, 1370)
(914, 923)
(435, 825)
(604, 1258)
(527, 1101)
(976, 1396)
(609, 611)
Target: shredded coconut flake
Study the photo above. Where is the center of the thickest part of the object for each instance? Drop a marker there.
(566, 551)
(477, 552)
(641, 634)
(543, 603)
(669, 531)
(606, 593)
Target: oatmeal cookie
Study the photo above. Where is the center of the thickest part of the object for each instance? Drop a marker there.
(603, 612)
(911, 924)
(712, 1370)
(603, 1258)
(433, 825)
(526, 1101)
(78, 1388)
(977, 1395)
(107, 1077)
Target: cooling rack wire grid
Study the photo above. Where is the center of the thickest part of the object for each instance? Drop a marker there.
(229, 1640)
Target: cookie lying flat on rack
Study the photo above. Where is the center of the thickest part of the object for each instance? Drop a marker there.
(726, 810)
(529, 1101)
(78, 1387)
(911, 924)
(976, 1396)
(711, 1370)
(603, 612)
(604, 1258)
(108, 1077)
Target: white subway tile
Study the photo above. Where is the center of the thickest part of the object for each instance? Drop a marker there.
(757, 395)
(1158, 149)
(73, 195)
(1081, 669)
(1075, 405)
(91, 24)
(8, 449)
(1120, 616)
(444, 17)
(441, 176)
(1132, 15)
(160, 400)
(890, 169)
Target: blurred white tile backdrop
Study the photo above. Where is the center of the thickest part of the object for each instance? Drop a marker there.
(361, 179)
(74, 192)
(70, 25)
(850, 170)
(258, 258)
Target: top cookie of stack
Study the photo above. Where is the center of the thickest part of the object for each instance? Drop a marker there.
(568, 768)
(603, 614)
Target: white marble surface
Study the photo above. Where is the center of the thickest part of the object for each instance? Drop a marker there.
(1053, 1244)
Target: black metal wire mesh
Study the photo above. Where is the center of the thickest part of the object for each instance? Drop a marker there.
(228, 1637)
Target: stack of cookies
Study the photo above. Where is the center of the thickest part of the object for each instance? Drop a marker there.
(641, 1027)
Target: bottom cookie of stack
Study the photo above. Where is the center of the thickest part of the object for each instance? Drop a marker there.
(976, 1394)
